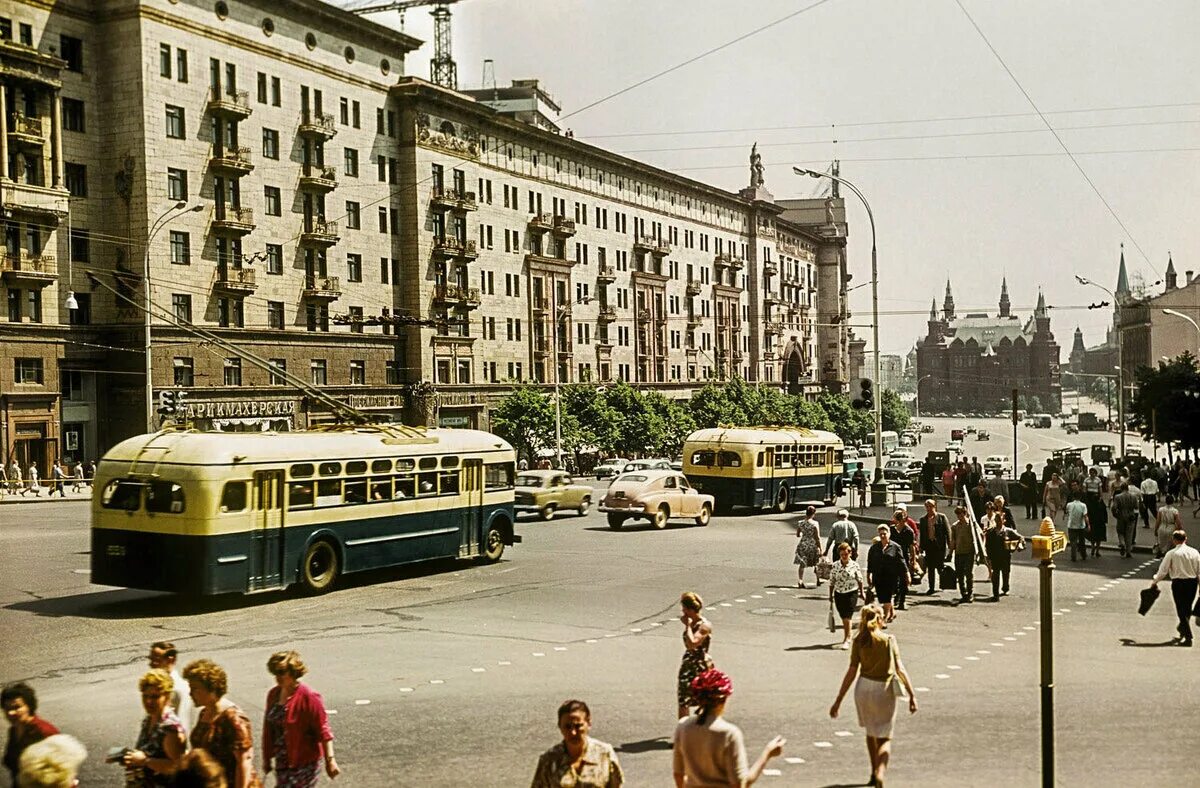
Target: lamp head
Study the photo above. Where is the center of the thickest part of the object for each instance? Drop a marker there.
(1082, 280)
(196, 208)
(179, 206)
(809, 173)
(72, 304)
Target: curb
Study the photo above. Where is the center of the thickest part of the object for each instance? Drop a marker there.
(9, 498)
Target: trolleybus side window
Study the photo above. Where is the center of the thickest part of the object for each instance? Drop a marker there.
(233, 497)
(355, 490)
(300, 494)
(381, 487)
(381, 466)
(330, 469)
(762, 456)
(122, 494)
(729, 459)
(406, 483)
(498, 476)
(164, 497)
(705, 457)
(301, 471)
(356, 467)
(329, 491)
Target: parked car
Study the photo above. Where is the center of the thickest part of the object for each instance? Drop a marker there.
(997, 462)
(955, 449)
(677, 464)
(610, 469)
(1072, 428)
(657, 496)
(546, 492)
(983, 435)
(896, 479)
(646, 465)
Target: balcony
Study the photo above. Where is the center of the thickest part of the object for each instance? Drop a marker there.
(234, 221)
(655, 246)
(728, 261)
(321, 288)
(564, 226)
(541, 222)
(318, 178)
(541, 347)
(234, 104)
(774, 299)
(46, 205)
(455, 248)
(693, 287)
(319, 233)
(693, 320)
(27, 130)
(456, 296)
(444, 199)
(317, 125)
(607, 314)
(643, 315)
(232, 160)
(539, 259)
(773, 327)
(36, 270)
(235, 280)
(540, 305)
(606, 274)
(770, 268)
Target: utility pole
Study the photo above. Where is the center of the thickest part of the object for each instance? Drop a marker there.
(1045, 545)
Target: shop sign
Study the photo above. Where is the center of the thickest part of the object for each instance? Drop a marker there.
(363, 401)
(238, 409)
(454, 421)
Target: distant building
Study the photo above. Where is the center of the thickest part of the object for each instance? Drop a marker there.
(525, 100)
(891, 372)
(1148, 334)
(972, 363)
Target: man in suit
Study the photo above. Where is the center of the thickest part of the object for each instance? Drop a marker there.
(1125, 512)
(935, 542)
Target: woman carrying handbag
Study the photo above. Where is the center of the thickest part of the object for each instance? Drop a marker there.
(846, 584)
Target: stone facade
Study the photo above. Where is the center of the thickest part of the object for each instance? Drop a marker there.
(290, 192)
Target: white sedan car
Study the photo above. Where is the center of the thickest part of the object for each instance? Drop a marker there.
(997, 462)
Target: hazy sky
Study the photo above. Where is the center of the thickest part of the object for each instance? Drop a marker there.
(980, 205)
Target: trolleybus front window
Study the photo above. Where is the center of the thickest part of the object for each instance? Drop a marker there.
(122, 494)
(233, 497)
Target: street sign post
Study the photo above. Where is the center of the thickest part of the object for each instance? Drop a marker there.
(1014, 421)
(1046, 544)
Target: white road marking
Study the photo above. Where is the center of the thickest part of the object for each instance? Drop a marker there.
(1020, 634)
(794, 760)
(331, 711)
(406, 689)
(973, 658)
(1010, 639)
(636, 629)
(739, 600)
(756, 596)
(362, 702)
(1028, 628)
(941, 675)
(772, 593)
(1080, 602)
(479, 670)
(921, 689)
(822, 744)
(954, 667)
(1089, 596)
(983, 651)
(611, 635)
(81, 571)
(1057, 613)
(437, 681)
(591, 640)
(560, 648)
(998, 645)
(506, 662)
(538, 654)
(726, 604)
(772, 772)
(655, 624)
(842, 733)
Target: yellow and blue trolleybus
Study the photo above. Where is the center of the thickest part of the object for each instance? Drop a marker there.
(209, 513)
(764, 467)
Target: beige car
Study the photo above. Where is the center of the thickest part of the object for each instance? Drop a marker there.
(547, 492)
(656, 495)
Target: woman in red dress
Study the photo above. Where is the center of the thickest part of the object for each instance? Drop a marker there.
(222, 729)
(296, 734)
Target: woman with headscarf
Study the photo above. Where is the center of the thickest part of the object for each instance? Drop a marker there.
(697, 637)
(708, 749)
(875, 659)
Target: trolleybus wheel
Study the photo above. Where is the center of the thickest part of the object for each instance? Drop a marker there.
(320, 568)
(782, 500)
(493, 545)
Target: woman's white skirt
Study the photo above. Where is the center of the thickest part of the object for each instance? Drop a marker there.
(876, 707)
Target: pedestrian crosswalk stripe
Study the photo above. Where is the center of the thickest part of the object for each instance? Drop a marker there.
(726, 604)
(998, 644)
(973, 658)
(822, 744)
(1080, 602)
(772, 772)
(479, 670)
(506, 662)
(636, 629)
(794, 760)
(362, 702)
(842, 733)
(941, 675)
(1010, 638)
(983, 651)
(406, 689)
(739, 600)
(954, 667)
(560, 648)
(538, 654)
(432, 681)
(921, 689)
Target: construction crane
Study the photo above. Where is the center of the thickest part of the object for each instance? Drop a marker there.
(442, 69)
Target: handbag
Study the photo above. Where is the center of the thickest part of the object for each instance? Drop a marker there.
(824, 568)
(832, 621)
(947, 578)
(895, 685)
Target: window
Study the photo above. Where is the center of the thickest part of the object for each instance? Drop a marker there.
(383, 220)
(356, 320)
(379, 120)
(354, 267)
(177, 184)
(181, 306)
(271, 144)
(344, 105)
(180, 248)
(81, 244)
(181, 69)
(275, 315)
(383, 270)
(274, 259)
(72, 115)
(35, 305)
(14, 305)
(233, 372)
(381, 168)
(184, 371)
(276, 92)
(353, 216)
(233, 497)
(272, 203)
(276, 378)
(76, 179)
(358, 373)
(82, 314)
(356, 115)
(176, 125)
(164, 60)
(71, 50)
(464, 370)
(392, 373)
(262, 88)
(391, 123)
(317, 373)
(231, 313)
(350, 166)
(29, 370)
(443, 370)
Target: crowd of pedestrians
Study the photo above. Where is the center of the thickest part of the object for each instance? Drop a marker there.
(28, 480)
(206, 741)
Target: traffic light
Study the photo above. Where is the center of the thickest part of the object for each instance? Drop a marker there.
(862, 392)
(170, 402)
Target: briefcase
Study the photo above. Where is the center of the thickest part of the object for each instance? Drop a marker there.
(947, 578)
(1148, 597)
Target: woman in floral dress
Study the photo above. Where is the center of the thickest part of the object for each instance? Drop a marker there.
(161, 741)
(697, 637)
(808, 544)
(222, 729)
(296, 734)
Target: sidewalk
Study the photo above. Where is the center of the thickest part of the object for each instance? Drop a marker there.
(84, 494)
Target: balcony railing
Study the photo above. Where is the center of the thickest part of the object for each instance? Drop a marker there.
(653, 244)
(643, 315)
(317, 124)
(770, 267)
(28, 129)
(607, 314)
(453, 199)
(319, 177)
(38, 269)
(234, 104)
(234, 159)
(452, 246)
(319, 232)
(238, 280)
(606, 273)
(564, 226)
(773, 327)
(457, 294)
(541, 222)
(322, 287)
(693, 320)
(693, 287)
(724, 260)
(233, 219)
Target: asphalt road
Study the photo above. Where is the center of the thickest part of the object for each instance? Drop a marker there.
(450, 674)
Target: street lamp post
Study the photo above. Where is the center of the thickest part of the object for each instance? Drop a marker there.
(878, 488)
(1120, 354)
(1176, 313)
(162, 221)
(917, 402)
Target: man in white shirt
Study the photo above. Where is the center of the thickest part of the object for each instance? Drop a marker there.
(1149, 488)
(163, 656)
(843, 530)
(1182, 565)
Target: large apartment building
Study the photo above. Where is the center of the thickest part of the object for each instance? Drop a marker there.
(406, 248)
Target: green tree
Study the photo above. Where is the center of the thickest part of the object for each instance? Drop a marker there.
(593, 422)
(894, 414)
(641, 429)
(809, 414)
(848, 423)
(525, 418)
(1166, 404)
(712, 406)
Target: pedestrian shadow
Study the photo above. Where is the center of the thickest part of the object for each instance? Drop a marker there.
(935, 602)
(816, 647)
(1131, 643)
(645, 745)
